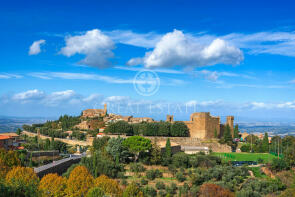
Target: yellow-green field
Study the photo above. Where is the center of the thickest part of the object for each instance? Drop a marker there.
(245, 156)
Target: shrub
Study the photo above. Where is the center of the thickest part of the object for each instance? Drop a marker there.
(149, 191)
(152, 174)
(99, 164)
(278, 164)
(137, 167)
(109, 186)
(171, 189)
(143, 181)
(246, 147)
(183, 190)
(260, 160)
(95, 192)
(132, 190)
(260, 187)
(194, 190)
(160, 185)
(180, 177)
(209, 189)
(172, 169)
(162, 193)
(180, 160)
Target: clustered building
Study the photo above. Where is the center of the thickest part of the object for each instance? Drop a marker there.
(201, 124)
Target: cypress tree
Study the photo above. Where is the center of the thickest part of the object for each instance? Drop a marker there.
(236, 131)
(227, 134)
(265, 143)
(167, 157)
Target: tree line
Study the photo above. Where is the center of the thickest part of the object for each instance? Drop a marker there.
(175, 129)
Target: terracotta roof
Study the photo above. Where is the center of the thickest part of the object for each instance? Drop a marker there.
(9, 134)
(4, 137)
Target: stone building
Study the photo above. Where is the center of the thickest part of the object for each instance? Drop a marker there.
(202, 125)
(92, 113)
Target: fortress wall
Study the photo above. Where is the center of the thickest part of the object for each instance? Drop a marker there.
(188, 141)
(212, 124)
(198, 127)
(183, 141)
(68, 141)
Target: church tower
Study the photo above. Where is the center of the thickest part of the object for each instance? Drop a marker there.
(105, 109)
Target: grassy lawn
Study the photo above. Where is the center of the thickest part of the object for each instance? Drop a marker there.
(245, 156)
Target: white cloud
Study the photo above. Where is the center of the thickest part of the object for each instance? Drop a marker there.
(96, 46)
(215, 75)
(136, 69)
(40, 97)
(35, 48)
(9, 76)
(81, 76)
(29, 95)
(103, 78)
(147, 40)
(56, 98)
(177, 49)
(280, 43)
(115, 99)
(92, 97)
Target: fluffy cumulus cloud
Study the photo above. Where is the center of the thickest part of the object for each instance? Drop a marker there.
(35, 48)
(177, 49)
(30, 95)
(96, 46)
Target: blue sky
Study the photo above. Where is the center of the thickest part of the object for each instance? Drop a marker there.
(229, 58)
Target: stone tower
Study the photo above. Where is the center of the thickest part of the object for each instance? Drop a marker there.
(169, 118)
(105, 109)
(202, 125)
(230, 123)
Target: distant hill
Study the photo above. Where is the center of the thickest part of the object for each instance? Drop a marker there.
(8, 124)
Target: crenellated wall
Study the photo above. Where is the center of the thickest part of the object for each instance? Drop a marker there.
(203, 125)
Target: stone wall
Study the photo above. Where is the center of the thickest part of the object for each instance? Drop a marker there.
(182, 141)
(188, 141)
(68, 141)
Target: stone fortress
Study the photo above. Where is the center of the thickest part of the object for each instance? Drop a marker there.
(91, 113)
(201, 124)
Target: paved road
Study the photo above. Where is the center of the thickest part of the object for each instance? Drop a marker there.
(56, 163)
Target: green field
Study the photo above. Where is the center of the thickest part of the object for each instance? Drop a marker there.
(245, 156)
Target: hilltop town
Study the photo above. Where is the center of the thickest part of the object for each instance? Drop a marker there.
(139, 153)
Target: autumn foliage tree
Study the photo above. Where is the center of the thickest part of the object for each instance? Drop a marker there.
(52, 185)
(79, 182)
(132, 190)
(212, 190)
(107, 185)
(23, 181)
(9, 158)
(95, 192)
